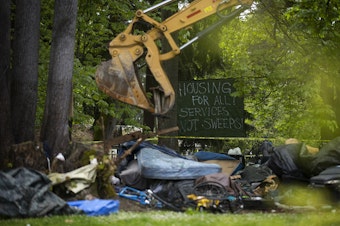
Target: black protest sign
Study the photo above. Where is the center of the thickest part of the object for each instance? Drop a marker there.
(208, 108)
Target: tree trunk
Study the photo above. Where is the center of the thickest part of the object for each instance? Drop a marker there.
(55, 128)
(170, 119)
(5, 45)
(150, 82)
(24, 80)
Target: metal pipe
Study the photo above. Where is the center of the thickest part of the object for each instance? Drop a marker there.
(189, 42)
(152, 8)
(225, 19)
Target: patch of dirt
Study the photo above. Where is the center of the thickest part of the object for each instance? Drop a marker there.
(128, 205)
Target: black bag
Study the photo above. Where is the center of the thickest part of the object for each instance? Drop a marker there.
(173, 194)
(329, 155)
(284, 162)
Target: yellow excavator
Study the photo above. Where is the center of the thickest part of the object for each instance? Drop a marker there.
(119, 78)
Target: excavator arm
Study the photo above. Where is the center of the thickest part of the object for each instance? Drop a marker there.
(118, 77)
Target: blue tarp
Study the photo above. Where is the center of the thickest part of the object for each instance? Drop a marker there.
(96, 207)
(207, 155)
(158, 164)
(146, 144)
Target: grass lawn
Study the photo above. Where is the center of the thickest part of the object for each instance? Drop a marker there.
(165, 218)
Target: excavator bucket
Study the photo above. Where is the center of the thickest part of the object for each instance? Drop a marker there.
(117, 78)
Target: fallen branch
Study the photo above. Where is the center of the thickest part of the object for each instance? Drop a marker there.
(138, 136)
(129, 151)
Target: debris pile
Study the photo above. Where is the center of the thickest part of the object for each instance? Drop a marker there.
(222, 183)
(159, 178)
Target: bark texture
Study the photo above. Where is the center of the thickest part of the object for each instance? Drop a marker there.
(24, 80)
(55, 129)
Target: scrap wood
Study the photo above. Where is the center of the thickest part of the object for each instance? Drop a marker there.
(129, 151)
(138, 135)
(169, 130)
(134, 136)
(121, 139)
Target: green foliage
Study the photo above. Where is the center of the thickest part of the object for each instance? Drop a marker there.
(279, 81)
(319, 19)
(203, 58)
(44, 55)
(85, 93)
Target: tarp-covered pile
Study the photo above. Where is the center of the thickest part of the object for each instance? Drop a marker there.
(173, 177)
(160, 163)
(26, 193)
(297, 161)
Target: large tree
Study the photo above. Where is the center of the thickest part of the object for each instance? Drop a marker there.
(5, 49)
(24, 78)
(19, 78)
(171, 69)
(55, 131)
